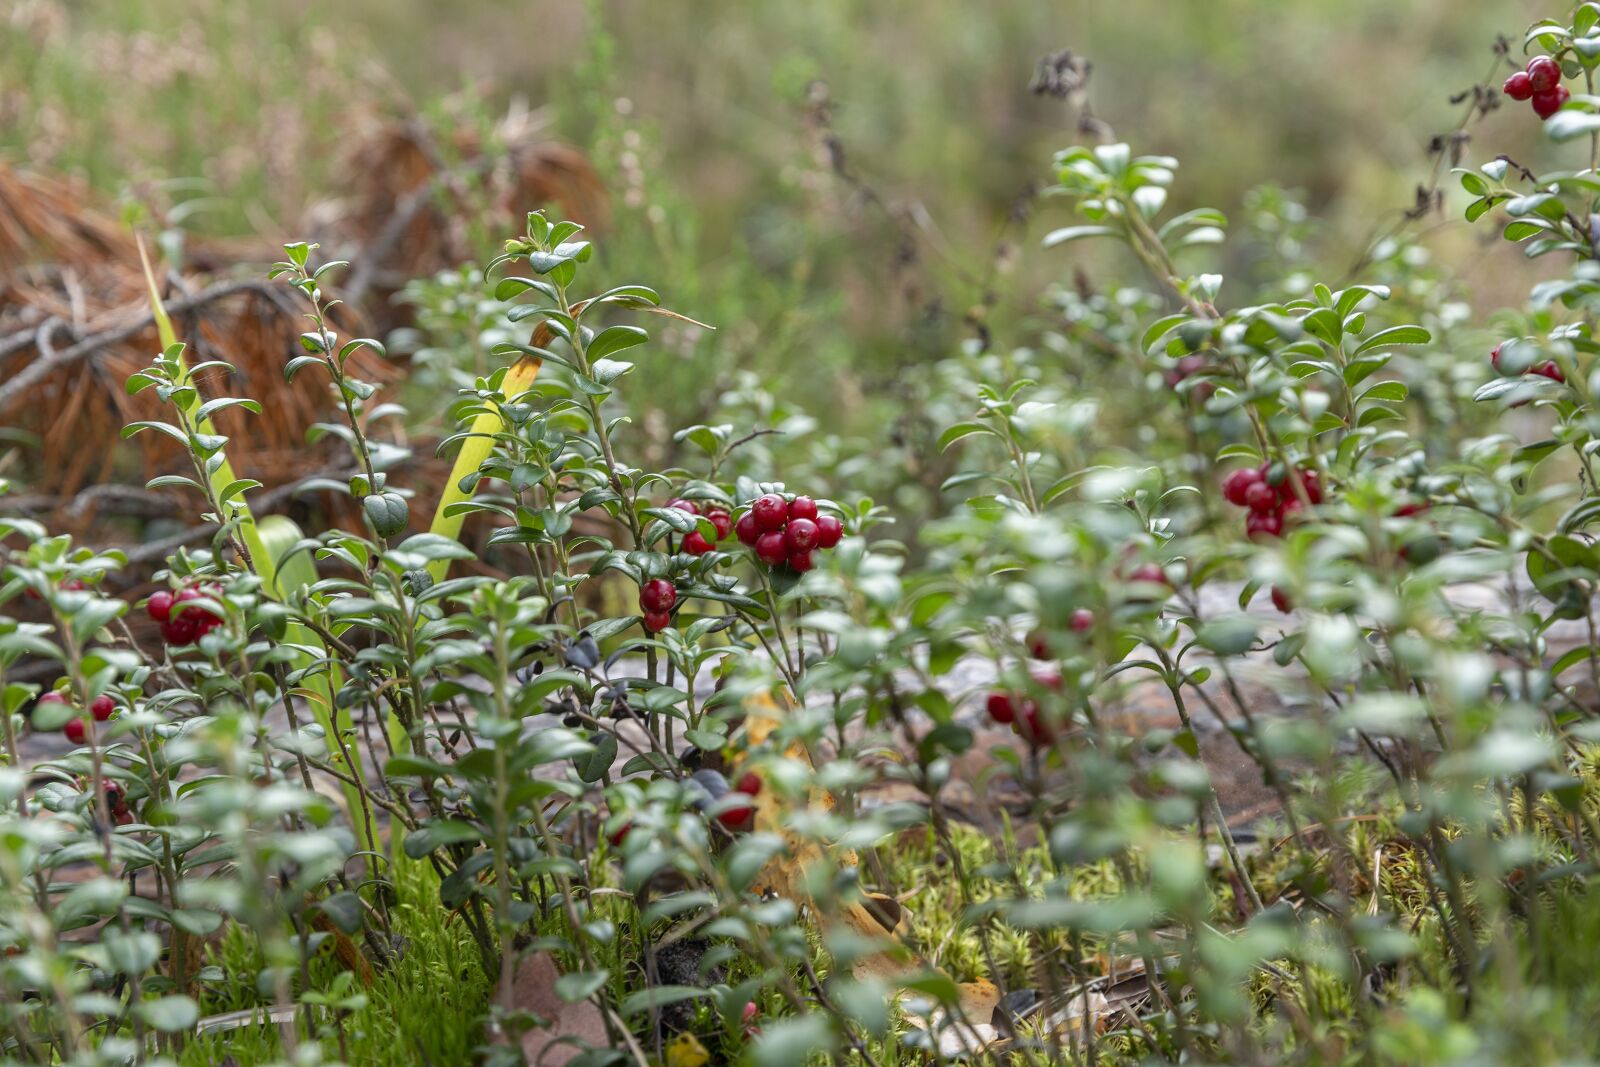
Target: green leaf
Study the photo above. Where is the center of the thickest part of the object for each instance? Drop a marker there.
(1395, 391)
(169, 1014)
(1394, 335)
(581, 985)
(793, 1041)
(614, 339)
(659, 996)
(438, 833)
(960, 430)
(1075, 233)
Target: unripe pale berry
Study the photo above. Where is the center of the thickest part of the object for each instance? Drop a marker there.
(1082, 620)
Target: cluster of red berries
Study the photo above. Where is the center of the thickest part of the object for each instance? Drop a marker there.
(785, 533)
(1022, 713)
(657, 598)
(695, 543)
(181, 625)
(1270, 505)
(77, 729)
(1540, 83)
(1548, 368)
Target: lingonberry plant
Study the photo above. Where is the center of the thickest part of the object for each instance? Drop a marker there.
(1240, 707)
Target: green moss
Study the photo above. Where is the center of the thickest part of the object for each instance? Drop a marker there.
(429, 1008)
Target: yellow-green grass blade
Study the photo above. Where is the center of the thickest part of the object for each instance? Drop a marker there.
(269, 543)
(474, 450)
(223, 476)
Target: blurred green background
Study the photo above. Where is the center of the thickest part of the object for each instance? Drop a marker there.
(698, 116)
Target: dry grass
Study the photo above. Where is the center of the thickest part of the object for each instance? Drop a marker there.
(75, 322)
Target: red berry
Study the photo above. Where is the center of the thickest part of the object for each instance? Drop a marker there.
(159, 606)
(1263, 524)
(52, 697)
(76, 731)
(739, 817)
(1544, 74)
(1550, 370)
(771, 511)
(800, 562)
(1038, 647)
(800, 535)
(750, 1011)
(749, 784)
(1031, 727)
(1082, 620)
(747, 529)
(658, 594)
(1519, 86)
(1494, 356)
(1000, 708)
(102, 708)
(656, 621)
(1188, 365)
(1237, 484)
(721, 521)
(679, 504)
(1547, 104)
(1415, 507)
(802, 507)
(620, 834)
(1281, 601)
(1148, 572)
(180, 630)
(1260, 497)
(696, 544)
(770, 548)
(829, 531)
(1308, 481)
